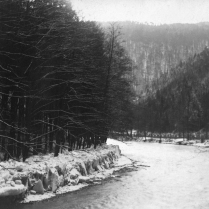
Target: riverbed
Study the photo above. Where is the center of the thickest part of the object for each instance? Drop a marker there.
(178, 178)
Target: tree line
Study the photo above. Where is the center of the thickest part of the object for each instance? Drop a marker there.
(64, 83)
(178, 102)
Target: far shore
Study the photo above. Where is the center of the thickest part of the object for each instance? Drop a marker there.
(166, 140)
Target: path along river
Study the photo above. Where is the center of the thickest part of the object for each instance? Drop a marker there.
(178, 178)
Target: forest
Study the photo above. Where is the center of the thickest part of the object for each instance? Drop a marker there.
(178, 103)
(170, 79)
(170, 75)
(65, 83)
(69, 84)
(160, 48)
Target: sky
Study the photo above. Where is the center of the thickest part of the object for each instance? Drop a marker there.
(144, 11)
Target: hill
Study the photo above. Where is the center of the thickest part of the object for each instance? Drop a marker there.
(157, 49)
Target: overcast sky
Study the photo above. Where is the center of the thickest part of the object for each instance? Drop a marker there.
(150, 11)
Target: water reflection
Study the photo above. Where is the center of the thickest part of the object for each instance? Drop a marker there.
(177, 179)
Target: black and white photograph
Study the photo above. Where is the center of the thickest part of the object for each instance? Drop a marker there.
(104, 104)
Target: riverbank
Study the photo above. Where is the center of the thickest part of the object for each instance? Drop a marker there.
(177, 177)
(178, 141)
(43, 177)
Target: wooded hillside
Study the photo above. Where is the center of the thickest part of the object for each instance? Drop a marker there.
(178, 102)
(159, 48)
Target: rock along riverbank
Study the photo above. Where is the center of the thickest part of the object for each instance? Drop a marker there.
(43, 177)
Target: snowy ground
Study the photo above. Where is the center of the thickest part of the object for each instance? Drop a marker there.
(78, 168)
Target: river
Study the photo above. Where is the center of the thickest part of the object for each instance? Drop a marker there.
(178, 178)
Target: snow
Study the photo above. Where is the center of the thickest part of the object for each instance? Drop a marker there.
(105, 168)
(123, 147)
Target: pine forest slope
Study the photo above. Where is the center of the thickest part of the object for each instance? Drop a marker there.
(180, 104)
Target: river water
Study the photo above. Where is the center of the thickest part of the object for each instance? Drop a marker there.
(178, 178)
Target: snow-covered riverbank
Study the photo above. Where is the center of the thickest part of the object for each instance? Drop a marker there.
(178, 141)
(42, 177)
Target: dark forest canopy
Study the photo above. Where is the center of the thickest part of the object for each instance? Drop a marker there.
(63, 81)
